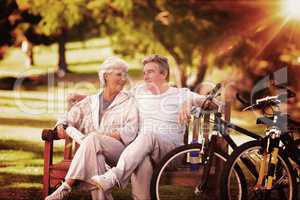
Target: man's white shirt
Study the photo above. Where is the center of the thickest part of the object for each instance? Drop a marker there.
(158, 113)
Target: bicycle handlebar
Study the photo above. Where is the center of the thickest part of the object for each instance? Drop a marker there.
(268, 100)
(264, 102)
(210, 96)
(214, 92)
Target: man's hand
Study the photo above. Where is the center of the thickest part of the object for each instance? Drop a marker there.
(185, 112)
(116, 135)
(211, 106)
(61, 133)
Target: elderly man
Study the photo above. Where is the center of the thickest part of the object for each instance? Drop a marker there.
(160, 106)
(107, 121)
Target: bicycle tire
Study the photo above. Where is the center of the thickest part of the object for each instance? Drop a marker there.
(284, 170)
(161, 192)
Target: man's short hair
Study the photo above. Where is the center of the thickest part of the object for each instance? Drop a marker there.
(162, 63)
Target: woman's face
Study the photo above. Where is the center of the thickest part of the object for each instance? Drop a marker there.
(116, 79)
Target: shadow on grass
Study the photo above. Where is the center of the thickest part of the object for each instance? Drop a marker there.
(20, 194)
(85, 47)
(35, 147)
(12, 98)
(135, 73)
(21, 187)
(90, 62)
(27, 122)
(41, 81)
(19, 183)
(11, 180)
(21, 168)
(16, 186)
(132, 72)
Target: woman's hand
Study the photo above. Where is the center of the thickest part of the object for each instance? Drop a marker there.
(116, 135)
(61, 133)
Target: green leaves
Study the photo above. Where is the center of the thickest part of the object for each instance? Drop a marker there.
(57, 15)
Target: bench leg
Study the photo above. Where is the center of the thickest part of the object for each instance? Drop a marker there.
(48, 151)
(46, 186)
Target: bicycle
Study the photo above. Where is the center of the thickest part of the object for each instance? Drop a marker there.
(184, 172)
(268, 165)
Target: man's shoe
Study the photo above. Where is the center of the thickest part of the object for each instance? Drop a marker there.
(60, 193)
(106, 181)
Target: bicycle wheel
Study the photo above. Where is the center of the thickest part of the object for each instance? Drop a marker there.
(176, 178)
(248, 157)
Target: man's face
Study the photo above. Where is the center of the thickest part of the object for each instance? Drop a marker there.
(152, 74)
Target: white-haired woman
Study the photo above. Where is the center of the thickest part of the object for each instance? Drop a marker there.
(108, 122)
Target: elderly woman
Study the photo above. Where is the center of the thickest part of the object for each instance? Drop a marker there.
(107, 121)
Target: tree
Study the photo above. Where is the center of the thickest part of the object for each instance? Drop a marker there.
(272, 47)
(151, 28)
(207, 29)
(12, 27)
(6, 26)
(64, 21)
(190, 31)
(56, 18)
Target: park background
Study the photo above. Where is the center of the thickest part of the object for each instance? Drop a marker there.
(51, 48)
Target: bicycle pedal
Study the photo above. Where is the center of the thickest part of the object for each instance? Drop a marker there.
(197, 192)
(298, 174)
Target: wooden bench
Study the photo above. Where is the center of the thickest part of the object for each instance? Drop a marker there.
(54, 173)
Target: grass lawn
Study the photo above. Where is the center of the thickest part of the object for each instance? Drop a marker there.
(21, 167)
(24, 113)
(21, 149)
(82, 57)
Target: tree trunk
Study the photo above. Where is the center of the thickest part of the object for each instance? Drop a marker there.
(27, 48)
(62, 64)
(180, 75)
(183, 76)
(201, 70)
(30, 55)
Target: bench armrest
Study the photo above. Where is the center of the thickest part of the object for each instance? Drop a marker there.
(49, 135)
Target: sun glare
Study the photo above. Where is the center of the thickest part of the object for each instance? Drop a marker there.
(291, 8)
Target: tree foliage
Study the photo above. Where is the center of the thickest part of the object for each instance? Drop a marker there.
(6, 26)
(189, 31)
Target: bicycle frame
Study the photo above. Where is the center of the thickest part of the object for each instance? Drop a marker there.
(221, 128)
(276, 134)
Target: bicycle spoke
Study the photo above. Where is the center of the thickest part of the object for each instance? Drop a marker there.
(282, 183)
(181, 182)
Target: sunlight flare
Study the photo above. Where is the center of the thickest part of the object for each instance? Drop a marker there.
(291, 9)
